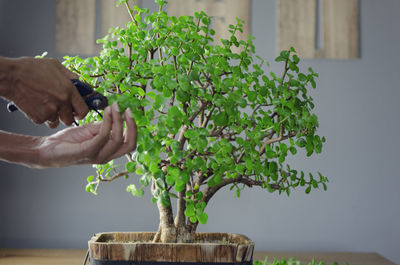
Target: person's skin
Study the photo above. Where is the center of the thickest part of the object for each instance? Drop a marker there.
(87, 144)
(43, 90)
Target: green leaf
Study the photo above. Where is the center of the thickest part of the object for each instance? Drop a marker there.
(293, 150)
(180, 186)
(221, 119)
(314, 184)
(295, 59)
(134, 191)
(165, 199)
(42, 55)
(90, 178)
(191, 134)
(160, 183)
(301, 143)
(190, 211)
(273, 166)
(130, 167)
(198, 196)
(120, 2)
(203, 217)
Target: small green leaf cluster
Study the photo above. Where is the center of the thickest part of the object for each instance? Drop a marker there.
(190, 96)
(195, 207)
(291, 261)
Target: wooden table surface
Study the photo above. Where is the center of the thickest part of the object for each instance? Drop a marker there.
(75, 257)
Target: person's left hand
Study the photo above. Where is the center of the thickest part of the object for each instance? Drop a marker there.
(90, 143)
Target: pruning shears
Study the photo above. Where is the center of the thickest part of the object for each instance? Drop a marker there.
(93, 99)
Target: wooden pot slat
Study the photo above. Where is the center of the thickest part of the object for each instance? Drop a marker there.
(137, 246)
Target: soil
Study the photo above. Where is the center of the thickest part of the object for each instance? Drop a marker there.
(221, 242)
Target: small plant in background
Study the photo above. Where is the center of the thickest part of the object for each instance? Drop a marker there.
(208, 114)
(288, 262)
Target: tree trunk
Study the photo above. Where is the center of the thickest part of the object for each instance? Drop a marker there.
(170, 232)
(184, 235)
(167, 230)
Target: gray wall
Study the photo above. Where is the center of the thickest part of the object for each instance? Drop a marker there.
(357, 103)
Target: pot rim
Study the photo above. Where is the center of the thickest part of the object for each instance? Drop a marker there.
(98, 236)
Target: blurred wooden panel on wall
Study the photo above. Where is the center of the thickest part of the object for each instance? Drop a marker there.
(339, 30)
(297, 26)
(113, 16)
(224, 12)
(75, 27)
(76, 24)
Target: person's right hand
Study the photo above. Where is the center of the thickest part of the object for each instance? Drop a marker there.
(43, 90)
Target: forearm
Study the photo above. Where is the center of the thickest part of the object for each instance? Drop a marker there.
(7, 67)
(19, 149)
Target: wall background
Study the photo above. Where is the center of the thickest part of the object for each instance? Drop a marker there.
(357, 102)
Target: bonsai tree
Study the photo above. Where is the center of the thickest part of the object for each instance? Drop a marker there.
(208, 115)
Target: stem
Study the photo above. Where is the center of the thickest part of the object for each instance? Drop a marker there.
(130, 56)
(208, 116)
(182, 137)
(130, 13)
(200, 109)
(114, 176)
(285, 71)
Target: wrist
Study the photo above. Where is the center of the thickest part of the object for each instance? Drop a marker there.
(20, 149)
(7, 68)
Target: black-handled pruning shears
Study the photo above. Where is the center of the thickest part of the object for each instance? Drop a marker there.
(93, 99)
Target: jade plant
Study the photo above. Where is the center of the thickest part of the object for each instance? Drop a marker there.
(208, 114)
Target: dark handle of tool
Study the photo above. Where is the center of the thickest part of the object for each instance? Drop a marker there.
(94, 100)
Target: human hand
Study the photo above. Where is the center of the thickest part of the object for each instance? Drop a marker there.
(43, 90)
(90, 143)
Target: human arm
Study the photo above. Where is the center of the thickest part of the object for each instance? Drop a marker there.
(42, 89)
(87, 144)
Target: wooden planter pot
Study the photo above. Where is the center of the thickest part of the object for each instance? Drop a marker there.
(136, 249)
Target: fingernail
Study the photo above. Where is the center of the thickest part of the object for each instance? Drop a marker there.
(129, 112)
(107, 111)
(116, 107)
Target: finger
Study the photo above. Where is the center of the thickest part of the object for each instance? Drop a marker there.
(35, 120)
(117, 126)
(93, 128)
(94, 146)
(52, 113)
(79, 106)
(117, 138)
(130, 136)
(66, 115)
(53, 124)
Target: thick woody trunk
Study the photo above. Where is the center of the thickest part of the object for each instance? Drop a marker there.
(174, 232)
(183, 234)
(166, 231)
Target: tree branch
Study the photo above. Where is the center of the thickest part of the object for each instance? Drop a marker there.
(201, 108)
(208, 116)
(113, 177)
(181, 207)
(131, 13)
